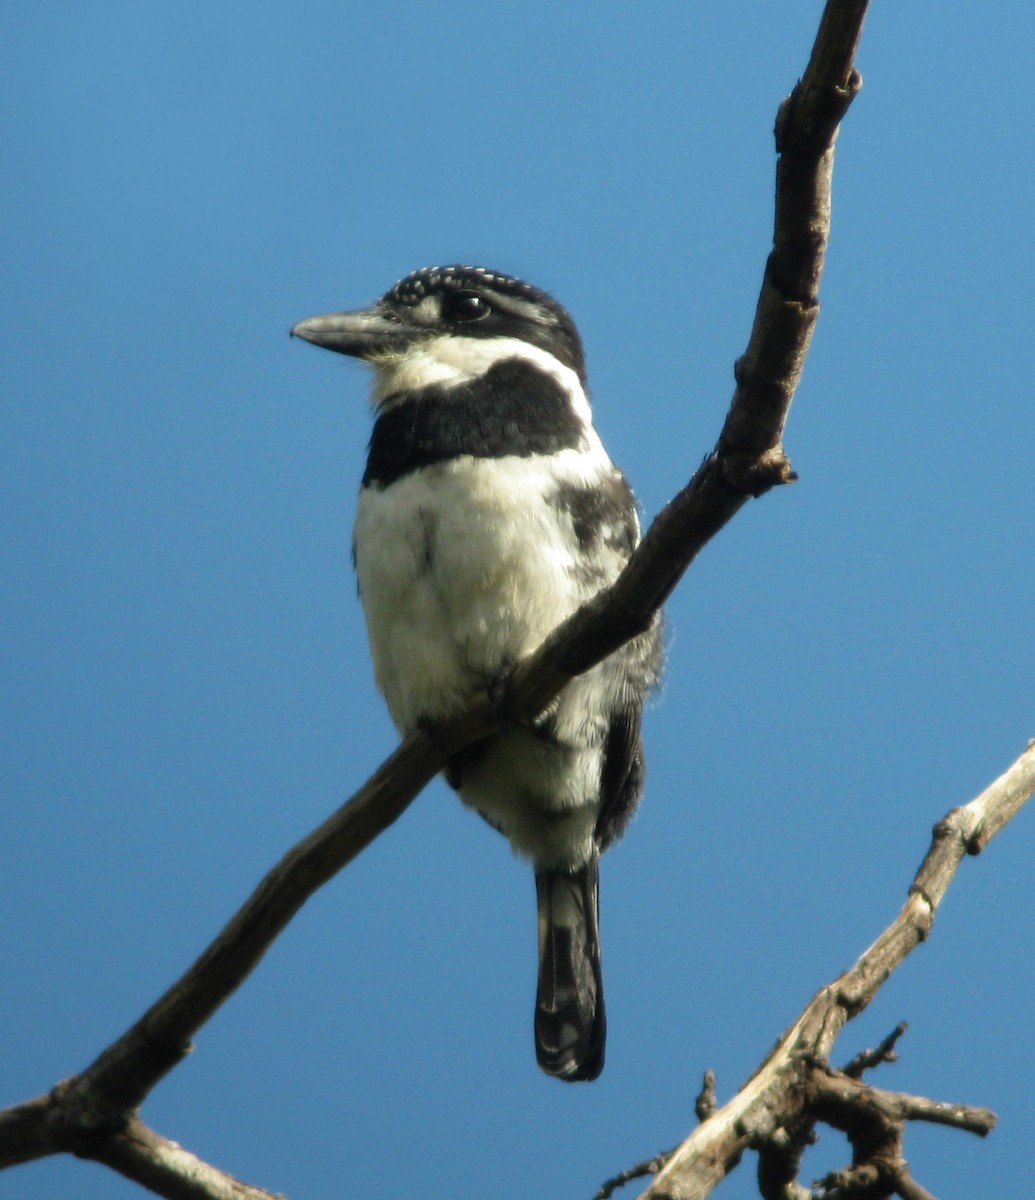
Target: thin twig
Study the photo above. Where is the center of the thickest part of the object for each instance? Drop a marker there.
(707, 1101)
(866, 1060)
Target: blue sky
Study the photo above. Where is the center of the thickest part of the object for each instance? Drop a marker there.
(186, 685)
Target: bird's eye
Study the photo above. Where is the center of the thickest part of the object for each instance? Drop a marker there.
(465, 306)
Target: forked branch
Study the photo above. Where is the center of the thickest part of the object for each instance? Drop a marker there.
(794, 1088)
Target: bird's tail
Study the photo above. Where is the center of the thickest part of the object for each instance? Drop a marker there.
(569, 1007)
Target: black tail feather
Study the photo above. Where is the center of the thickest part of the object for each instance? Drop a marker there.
(570, 1025)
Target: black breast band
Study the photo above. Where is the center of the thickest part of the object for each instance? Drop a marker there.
(515, 408)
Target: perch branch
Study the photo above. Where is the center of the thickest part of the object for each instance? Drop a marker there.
(94, 1112)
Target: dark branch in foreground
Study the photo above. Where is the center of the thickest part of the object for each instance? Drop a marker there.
(91, 1113)
(747, 461)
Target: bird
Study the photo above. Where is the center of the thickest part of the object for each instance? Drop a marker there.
(488, 512)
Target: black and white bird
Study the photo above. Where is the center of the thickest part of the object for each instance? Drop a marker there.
(489, 512)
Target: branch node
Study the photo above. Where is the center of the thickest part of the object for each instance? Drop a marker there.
(756, 474)
(875, 1120)
(79, 1118)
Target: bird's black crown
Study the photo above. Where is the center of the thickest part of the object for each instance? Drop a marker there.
(478, 302)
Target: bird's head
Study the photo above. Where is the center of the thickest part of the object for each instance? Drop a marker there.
(444, 324)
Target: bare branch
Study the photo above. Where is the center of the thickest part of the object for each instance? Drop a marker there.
(838, 1097)
(166, 1169)
(24, 1132)
(777, 1097)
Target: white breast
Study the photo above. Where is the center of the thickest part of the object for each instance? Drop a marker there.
(463, 568)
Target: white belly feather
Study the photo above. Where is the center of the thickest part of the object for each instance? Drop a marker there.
(464, 567)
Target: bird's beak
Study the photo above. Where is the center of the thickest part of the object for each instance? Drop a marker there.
(363, 333)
